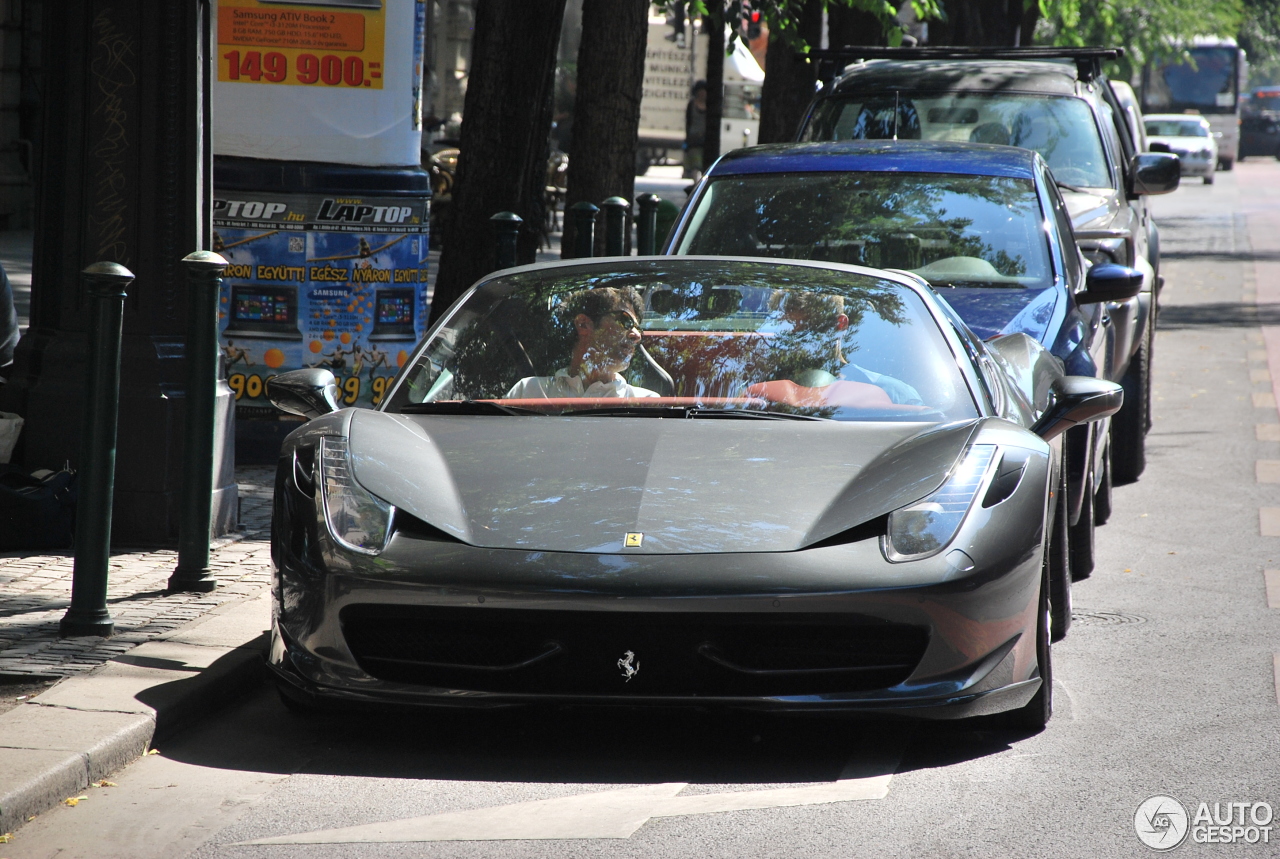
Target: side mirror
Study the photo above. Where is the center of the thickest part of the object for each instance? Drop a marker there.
(1079, 399)
(1155, 173)
(1110, 282)
(310, 393)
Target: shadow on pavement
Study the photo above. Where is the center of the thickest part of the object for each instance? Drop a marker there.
(1218, 314)
(579, 745)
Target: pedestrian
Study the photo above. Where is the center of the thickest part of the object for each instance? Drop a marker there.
(695, 131)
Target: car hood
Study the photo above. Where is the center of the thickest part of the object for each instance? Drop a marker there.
(1093, 208)
(580, 484)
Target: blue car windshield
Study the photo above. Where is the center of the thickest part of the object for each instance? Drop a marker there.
(982, 235)
(1060, 128)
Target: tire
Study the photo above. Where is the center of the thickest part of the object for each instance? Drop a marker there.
(1059, 565)
(1082, 534)
(1102, 500)
(1129, 425)
(1035, 715)
(1208, 180)
(1227, 164)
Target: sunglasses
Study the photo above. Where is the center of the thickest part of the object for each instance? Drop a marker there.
(625, 319)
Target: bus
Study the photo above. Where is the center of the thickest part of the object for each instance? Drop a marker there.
(1208, 77)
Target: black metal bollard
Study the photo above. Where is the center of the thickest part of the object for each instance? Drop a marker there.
(647, 224)
(506, 233)
(204, 275)
(584, 228)
(615, 225)
(105, 283)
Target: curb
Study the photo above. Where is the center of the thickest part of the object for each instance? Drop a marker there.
(87, 727)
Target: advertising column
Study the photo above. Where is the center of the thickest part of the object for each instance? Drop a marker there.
(321, 207)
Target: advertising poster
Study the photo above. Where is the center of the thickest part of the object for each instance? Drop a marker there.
(316, 43)
(320, 280)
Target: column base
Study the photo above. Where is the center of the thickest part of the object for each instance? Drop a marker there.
(80, 624)
(192, 581)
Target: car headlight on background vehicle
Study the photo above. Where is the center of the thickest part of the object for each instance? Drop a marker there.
(357, 519)
(924, 528)
(1204, 153)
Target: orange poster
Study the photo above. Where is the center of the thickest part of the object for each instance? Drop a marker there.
(301, 44)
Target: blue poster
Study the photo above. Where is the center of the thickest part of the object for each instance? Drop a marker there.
(328, 281)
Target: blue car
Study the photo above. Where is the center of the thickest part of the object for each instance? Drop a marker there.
(984, 225)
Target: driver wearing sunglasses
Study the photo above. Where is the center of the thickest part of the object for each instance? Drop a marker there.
(606, 325)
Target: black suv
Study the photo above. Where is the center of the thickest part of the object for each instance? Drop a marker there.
(1058, 103)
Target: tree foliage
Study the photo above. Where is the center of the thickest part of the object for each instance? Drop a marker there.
(1145, 28)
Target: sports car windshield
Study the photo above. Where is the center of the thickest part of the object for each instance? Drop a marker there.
(1060, 128)
(688, 338)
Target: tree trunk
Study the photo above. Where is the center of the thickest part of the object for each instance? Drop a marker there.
(504, 142)
(985, 22)
(789, 82)
(602, 154)
(714, 24)
(847, 27)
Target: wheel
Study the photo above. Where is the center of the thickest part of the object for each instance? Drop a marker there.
(1129, 425)
(1227, 164)
(1081, 539)
(1034, 716)
(1208, 180)
(1102, 500)
(1059, 564)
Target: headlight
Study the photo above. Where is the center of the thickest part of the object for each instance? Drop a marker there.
(356, 519)
(1204, 153)
(925, 528)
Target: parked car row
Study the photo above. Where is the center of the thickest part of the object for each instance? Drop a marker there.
(842, 448)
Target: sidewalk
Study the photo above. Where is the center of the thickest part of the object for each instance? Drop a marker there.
(74, 710)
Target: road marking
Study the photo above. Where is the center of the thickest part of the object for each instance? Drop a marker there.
(1264, 400)
(1267, 432)
(1259, 375)
(1267, 470)
(606, 814)
(1272, 578)
(1269, 521)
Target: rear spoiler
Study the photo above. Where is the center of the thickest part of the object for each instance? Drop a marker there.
(1088, 60)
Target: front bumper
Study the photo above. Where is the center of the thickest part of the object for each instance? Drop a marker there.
(439, 623)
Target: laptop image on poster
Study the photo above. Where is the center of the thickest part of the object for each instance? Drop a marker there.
(394, 314)
(263, 311)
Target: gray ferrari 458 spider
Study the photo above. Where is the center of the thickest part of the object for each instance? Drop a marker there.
(682, 480)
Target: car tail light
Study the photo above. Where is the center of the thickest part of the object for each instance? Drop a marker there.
(357, 519)
(924, 529)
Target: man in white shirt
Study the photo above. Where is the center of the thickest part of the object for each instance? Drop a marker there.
(607, 324)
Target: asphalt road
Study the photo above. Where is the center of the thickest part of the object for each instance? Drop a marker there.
(1165, 685)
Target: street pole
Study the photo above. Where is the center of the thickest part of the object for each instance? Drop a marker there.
(506, 234)
(615, 225)
(204, 277)
(584, 228)
(647, 224)
(106, 284)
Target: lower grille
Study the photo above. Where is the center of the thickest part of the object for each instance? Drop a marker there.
(630, 653)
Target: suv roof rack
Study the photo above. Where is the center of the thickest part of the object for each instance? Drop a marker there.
(1088, 60)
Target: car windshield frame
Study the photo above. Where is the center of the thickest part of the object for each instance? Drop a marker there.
(759, 316)
(1157, 127)
(821, 122)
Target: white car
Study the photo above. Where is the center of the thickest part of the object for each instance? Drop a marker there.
(1187, 136)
